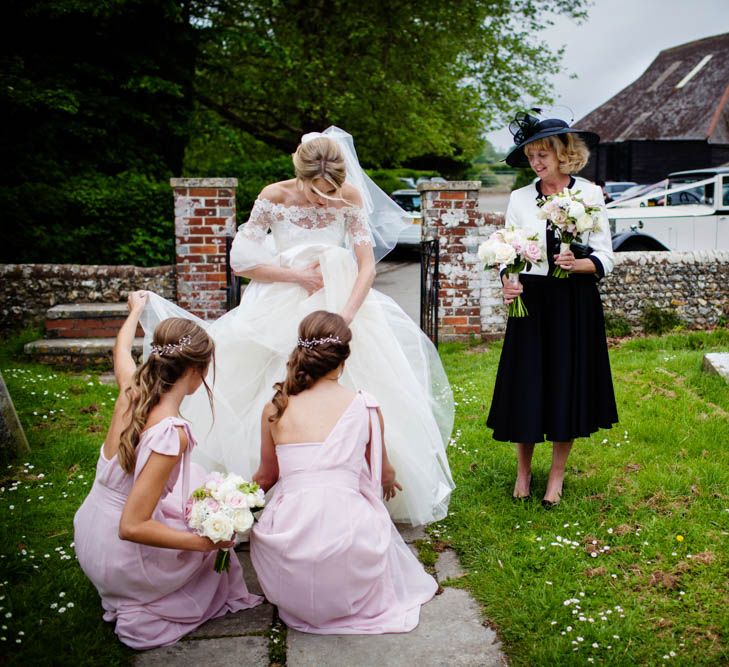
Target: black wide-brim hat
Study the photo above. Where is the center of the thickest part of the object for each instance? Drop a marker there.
(526, 129)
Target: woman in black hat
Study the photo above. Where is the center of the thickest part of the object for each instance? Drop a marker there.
(553, 381)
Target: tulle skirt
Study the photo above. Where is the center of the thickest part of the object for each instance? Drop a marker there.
(390, 358)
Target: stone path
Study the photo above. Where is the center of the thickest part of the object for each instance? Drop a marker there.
(451, 633)
(401, 282)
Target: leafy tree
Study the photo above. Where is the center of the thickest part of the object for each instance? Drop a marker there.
(414, 81)
(97, 99)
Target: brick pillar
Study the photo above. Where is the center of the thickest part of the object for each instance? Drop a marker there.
(470, 302)
(204, 216)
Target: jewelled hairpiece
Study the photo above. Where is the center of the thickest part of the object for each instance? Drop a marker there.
(308, 343)
(171, 347)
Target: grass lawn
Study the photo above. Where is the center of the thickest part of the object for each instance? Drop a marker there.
(650, 499)
(633, 566)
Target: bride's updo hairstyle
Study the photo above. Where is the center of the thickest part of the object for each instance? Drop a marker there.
(323, 345)
(178, 345)
(320, 158)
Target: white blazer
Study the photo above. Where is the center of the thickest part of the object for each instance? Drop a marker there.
(522, 212)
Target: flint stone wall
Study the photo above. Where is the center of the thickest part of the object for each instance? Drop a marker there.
(695, 284)
(28, 290)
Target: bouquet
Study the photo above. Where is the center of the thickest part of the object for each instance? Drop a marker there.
(518, 251)
(221, 510)
(569, 216)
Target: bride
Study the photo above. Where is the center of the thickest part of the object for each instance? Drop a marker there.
(311, 243)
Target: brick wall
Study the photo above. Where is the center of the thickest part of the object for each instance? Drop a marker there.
(204, 217)
(470, 304)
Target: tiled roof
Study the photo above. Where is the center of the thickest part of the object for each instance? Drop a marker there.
(683, 95)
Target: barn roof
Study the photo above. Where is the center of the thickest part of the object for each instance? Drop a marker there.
(683, 95)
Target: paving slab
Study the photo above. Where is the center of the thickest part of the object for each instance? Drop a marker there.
(450, 634)
(244, 622)
(249, 574)
(717, 362)
(228, 652)
(411, 533)
(448, 566)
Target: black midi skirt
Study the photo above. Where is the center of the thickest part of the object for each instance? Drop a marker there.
(554, 381)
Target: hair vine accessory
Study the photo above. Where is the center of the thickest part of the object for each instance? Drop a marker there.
(308, 343)
(168, 348)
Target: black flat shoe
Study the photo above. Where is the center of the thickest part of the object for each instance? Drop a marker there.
(551, 504)
(528, 496)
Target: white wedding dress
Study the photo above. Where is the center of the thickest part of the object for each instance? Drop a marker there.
(390, 357)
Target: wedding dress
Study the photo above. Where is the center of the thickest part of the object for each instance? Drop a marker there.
(390, 357)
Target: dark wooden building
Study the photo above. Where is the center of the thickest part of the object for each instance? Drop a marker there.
(674, 117)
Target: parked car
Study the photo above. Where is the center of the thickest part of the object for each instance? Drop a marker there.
(409, 200)
(615, 188)
(690, 211)
(430, 179)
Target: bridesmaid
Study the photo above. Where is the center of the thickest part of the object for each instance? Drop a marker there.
(155, 578)
(554, 381)
(325, 549)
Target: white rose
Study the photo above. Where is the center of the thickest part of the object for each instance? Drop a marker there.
(585, 223)
(576, 210)
(486, 252)
(197, 516)
(218, 527)
(242, 520)
(257, 499)
(504, 254)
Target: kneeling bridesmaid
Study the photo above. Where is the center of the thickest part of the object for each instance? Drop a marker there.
(325, 549)
(155, 577)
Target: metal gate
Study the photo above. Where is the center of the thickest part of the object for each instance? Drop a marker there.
(429, 287)
(233, 283)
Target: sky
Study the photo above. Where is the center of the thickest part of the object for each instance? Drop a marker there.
(615, 45)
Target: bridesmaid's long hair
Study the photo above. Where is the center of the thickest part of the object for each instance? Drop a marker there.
(178, 344)
(313, 357)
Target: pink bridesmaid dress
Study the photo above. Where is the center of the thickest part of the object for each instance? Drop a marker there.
(325, 549)
(155, 595)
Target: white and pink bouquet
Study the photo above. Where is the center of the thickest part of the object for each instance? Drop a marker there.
(513, 248)
(221, 510)
(569, 216)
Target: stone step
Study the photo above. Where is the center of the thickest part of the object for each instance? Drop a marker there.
(86, 320)
(78, 352)
(717, 362)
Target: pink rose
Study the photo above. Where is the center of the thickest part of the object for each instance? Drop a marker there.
(236, 500)
(533, 251)
(212, 504)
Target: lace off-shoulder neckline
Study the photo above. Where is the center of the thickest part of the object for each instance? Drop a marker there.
(310, 207)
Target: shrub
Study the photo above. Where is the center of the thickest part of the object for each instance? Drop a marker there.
(523, 177)
(616, 326)
(658, 320)
(91, 219)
